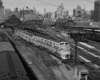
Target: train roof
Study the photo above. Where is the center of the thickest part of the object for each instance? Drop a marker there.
(46, 36)
(5, 45)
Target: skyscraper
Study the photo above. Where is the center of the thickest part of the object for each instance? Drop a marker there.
(61, 12)
(1, 12)
(78, 12)
(96, 16)
(44, 12)
(8, 13)
(1, 3)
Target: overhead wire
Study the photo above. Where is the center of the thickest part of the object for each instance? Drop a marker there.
(93, 2)
(53, 4)
(90, 1)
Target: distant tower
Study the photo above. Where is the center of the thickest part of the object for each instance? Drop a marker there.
(84, 7)
(34, 9)
(96, 11)
(44, 12)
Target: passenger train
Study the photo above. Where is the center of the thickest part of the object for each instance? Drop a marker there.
(60, 48)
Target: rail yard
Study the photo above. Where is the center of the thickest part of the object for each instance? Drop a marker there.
(47, 66)
(49, 40)
(48, 54)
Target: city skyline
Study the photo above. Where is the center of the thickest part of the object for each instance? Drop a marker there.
(68, 4)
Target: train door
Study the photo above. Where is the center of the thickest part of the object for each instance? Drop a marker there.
(81, 73)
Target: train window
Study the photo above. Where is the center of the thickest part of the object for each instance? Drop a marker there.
(48, 42)
(45, 41)
(66, 43)
(51, 43)
(61, 43)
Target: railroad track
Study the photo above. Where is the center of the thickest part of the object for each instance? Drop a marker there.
(94, 43)
(94, 75)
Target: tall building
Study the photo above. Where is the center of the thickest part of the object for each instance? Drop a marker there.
(78, 12)
(53, 17)
(48, 15)
(8, 13)
(16, 13)
(61, 13)
(1, 12)
(96, 16)
(92, 14)
(44, 12)
(65, 14)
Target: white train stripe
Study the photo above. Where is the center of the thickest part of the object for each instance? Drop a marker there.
(87, 45)
(86, 60)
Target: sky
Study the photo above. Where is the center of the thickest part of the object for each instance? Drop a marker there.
(68, 4)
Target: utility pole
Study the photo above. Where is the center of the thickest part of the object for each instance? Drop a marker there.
(75, 74)
(76, 37)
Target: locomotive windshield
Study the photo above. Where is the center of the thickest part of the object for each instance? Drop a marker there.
(61, 43)
(64, 46)
(64, 43)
